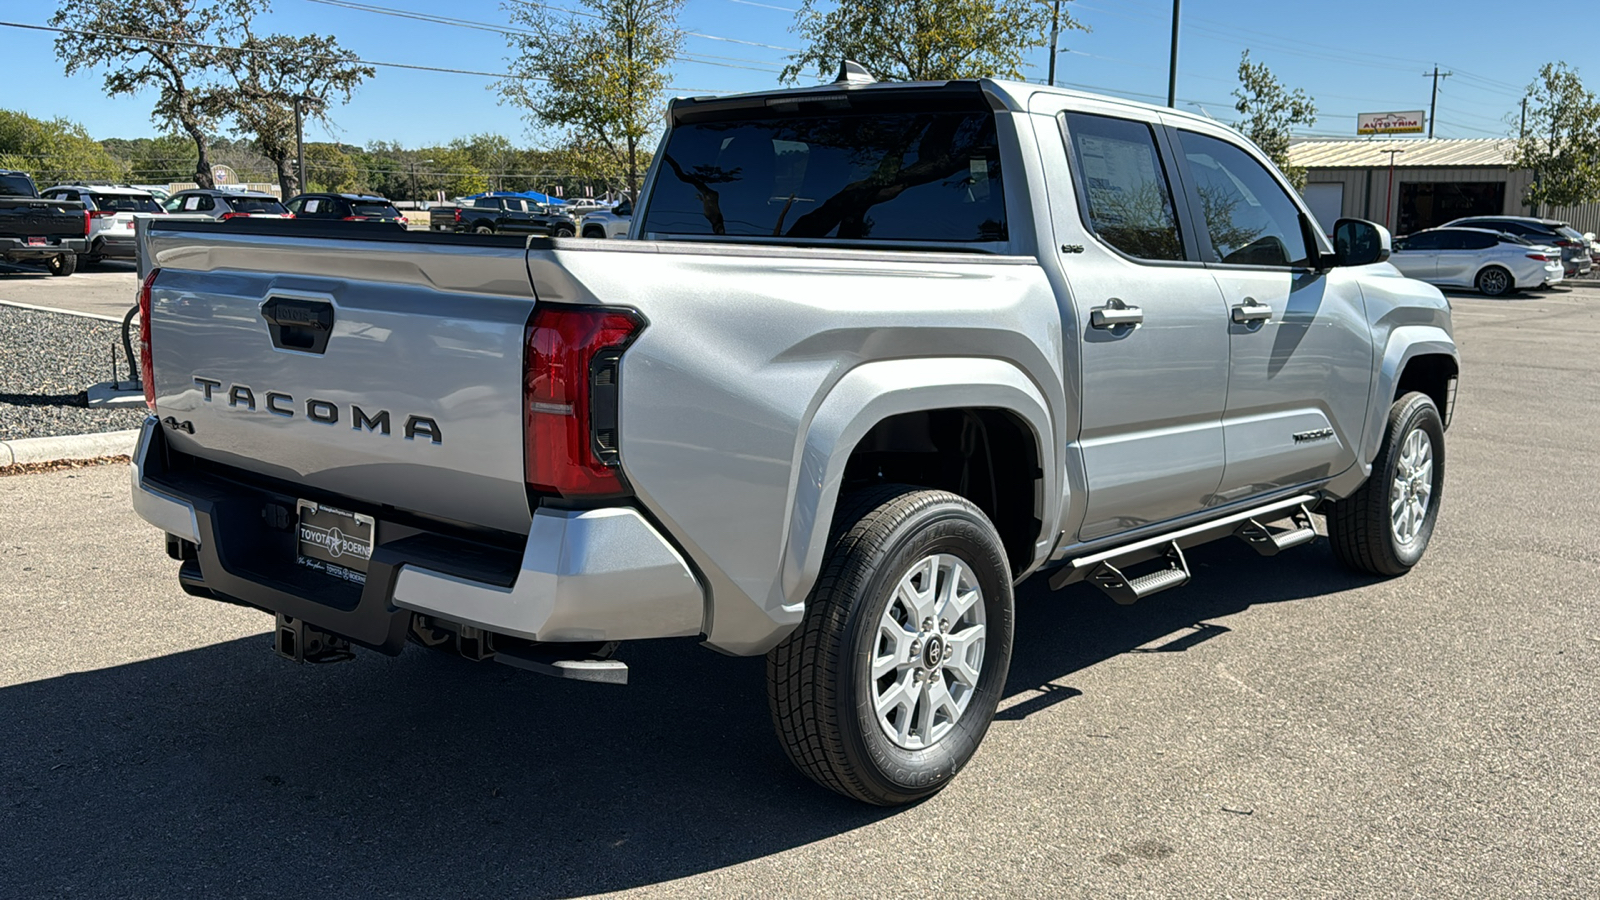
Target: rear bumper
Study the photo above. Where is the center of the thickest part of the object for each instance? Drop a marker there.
(592, 575)
(19, 248)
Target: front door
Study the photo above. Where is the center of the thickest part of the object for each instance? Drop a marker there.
(1300, 346)
(1151, 326)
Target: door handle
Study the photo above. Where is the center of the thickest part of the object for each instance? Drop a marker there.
(1115, 314)
(1251, 311)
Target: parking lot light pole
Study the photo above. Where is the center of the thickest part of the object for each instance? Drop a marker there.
(1172, 66)
(1388, 206)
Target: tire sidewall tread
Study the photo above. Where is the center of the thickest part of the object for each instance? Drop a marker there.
(1359, 526)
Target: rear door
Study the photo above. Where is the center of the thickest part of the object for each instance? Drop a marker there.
(1152, 328)
(1300, 347)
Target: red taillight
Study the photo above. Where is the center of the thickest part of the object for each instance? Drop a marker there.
(86, 218)
(1539, 256)
(101, 213)
(571, 357)
(147, 365)
(458, 215)
(233, 215)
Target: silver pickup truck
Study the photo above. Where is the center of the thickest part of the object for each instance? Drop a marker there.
(877, 354)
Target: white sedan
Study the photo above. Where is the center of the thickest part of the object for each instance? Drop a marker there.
(1490, 261)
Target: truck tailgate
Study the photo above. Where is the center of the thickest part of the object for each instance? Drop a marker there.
(384, 370)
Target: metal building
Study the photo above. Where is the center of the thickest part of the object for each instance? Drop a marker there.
(1432, 182)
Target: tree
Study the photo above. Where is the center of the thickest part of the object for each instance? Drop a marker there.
(54, 151)
(330, 168)
(1562, 140)
(1270, 110)
(162, 160)
(599, 75)
(922, 40)
(268, 76)
(155, 44)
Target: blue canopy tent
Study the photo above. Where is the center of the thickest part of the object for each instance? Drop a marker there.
(535, 196)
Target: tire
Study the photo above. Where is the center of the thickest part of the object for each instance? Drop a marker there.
(820, 685)
(1366, 535)
(562, 231)
(63, 264)
(1495, 282)
(594, 232)
(483, 229)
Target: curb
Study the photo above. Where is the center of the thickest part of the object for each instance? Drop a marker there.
(68, 447)
(65, 312)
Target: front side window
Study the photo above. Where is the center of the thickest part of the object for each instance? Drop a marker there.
(928, 176)
(1126, 191)
(1427, 240)
(1248, 215)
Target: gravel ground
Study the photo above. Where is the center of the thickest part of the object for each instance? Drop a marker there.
(47, 362)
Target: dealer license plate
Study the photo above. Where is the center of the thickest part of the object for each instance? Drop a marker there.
(36, 242)
(335, 542)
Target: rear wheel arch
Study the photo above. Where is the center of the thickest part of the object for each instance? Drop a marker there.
(893, 409)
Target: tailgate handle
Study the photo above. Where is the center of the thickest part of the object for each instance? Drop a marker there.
(299, 324)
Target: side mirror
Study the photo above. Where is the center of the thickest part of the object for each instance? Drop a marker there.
(624, 208)
(1357, 242)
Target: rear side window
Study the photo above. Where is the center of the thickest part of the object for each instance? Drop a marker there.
(928, 176)
(1248, 215)
(1126, 191)
(1479, 241)
(263, 205)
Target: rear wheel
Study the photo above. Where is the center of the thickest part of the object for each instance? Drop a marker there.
(889, 684)
(1495, 282)
(1384, 527)
(63, 264)
(483, 229)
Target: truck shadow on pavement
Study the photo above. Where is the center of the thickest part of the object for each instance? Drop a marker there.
(224, 771)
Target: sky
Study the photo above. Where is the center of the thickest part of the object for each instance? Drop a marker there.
(1353, 56)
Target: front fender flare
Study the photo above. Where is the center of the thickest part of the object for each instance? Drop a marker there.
(873, 392)
(1405, 343)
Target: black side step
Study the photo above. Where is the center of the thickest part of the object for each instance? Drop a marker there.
(1270, 543)
(1127, 591)
(546, 660)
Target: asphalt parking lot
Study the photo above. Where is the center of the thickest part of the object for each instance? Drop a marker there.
(1280, 728)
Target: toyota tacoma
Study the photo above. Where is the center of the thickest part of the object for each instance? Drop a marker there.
(878, 353)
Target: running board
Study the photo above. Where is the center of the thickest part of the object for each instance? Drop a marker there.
(1117, 558)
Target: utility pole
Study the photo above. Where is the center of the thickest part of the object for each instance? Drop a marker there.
(1055, 35)
(1433, 105)
(1522, 124)
(300, 143)
(1172, 67)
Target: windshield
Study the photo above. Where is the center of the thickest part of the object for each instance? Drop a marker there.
(265, 206)
(373, 210)
(127, 203)
(900, 177)
(15, 186)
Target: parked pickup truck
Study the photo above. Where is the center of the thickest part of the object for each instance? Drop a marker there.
(501, 215)
(877, 354)
(52, 232)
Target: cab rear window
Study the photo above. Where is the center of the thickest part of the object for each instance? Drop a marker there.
(927, 177)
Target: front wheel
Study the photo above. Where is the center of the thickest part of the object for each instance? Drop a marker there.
(889, 684)
(561, 231)
(1384, 527)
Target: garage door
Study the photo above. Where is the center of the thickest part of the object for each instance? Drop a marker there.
(1327, 203)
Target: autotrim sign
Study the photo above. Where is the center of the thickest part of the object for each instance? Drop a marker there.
(1390, 123)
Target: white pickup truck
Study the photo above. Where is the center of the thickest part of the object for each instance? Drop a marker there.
(876, 354)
